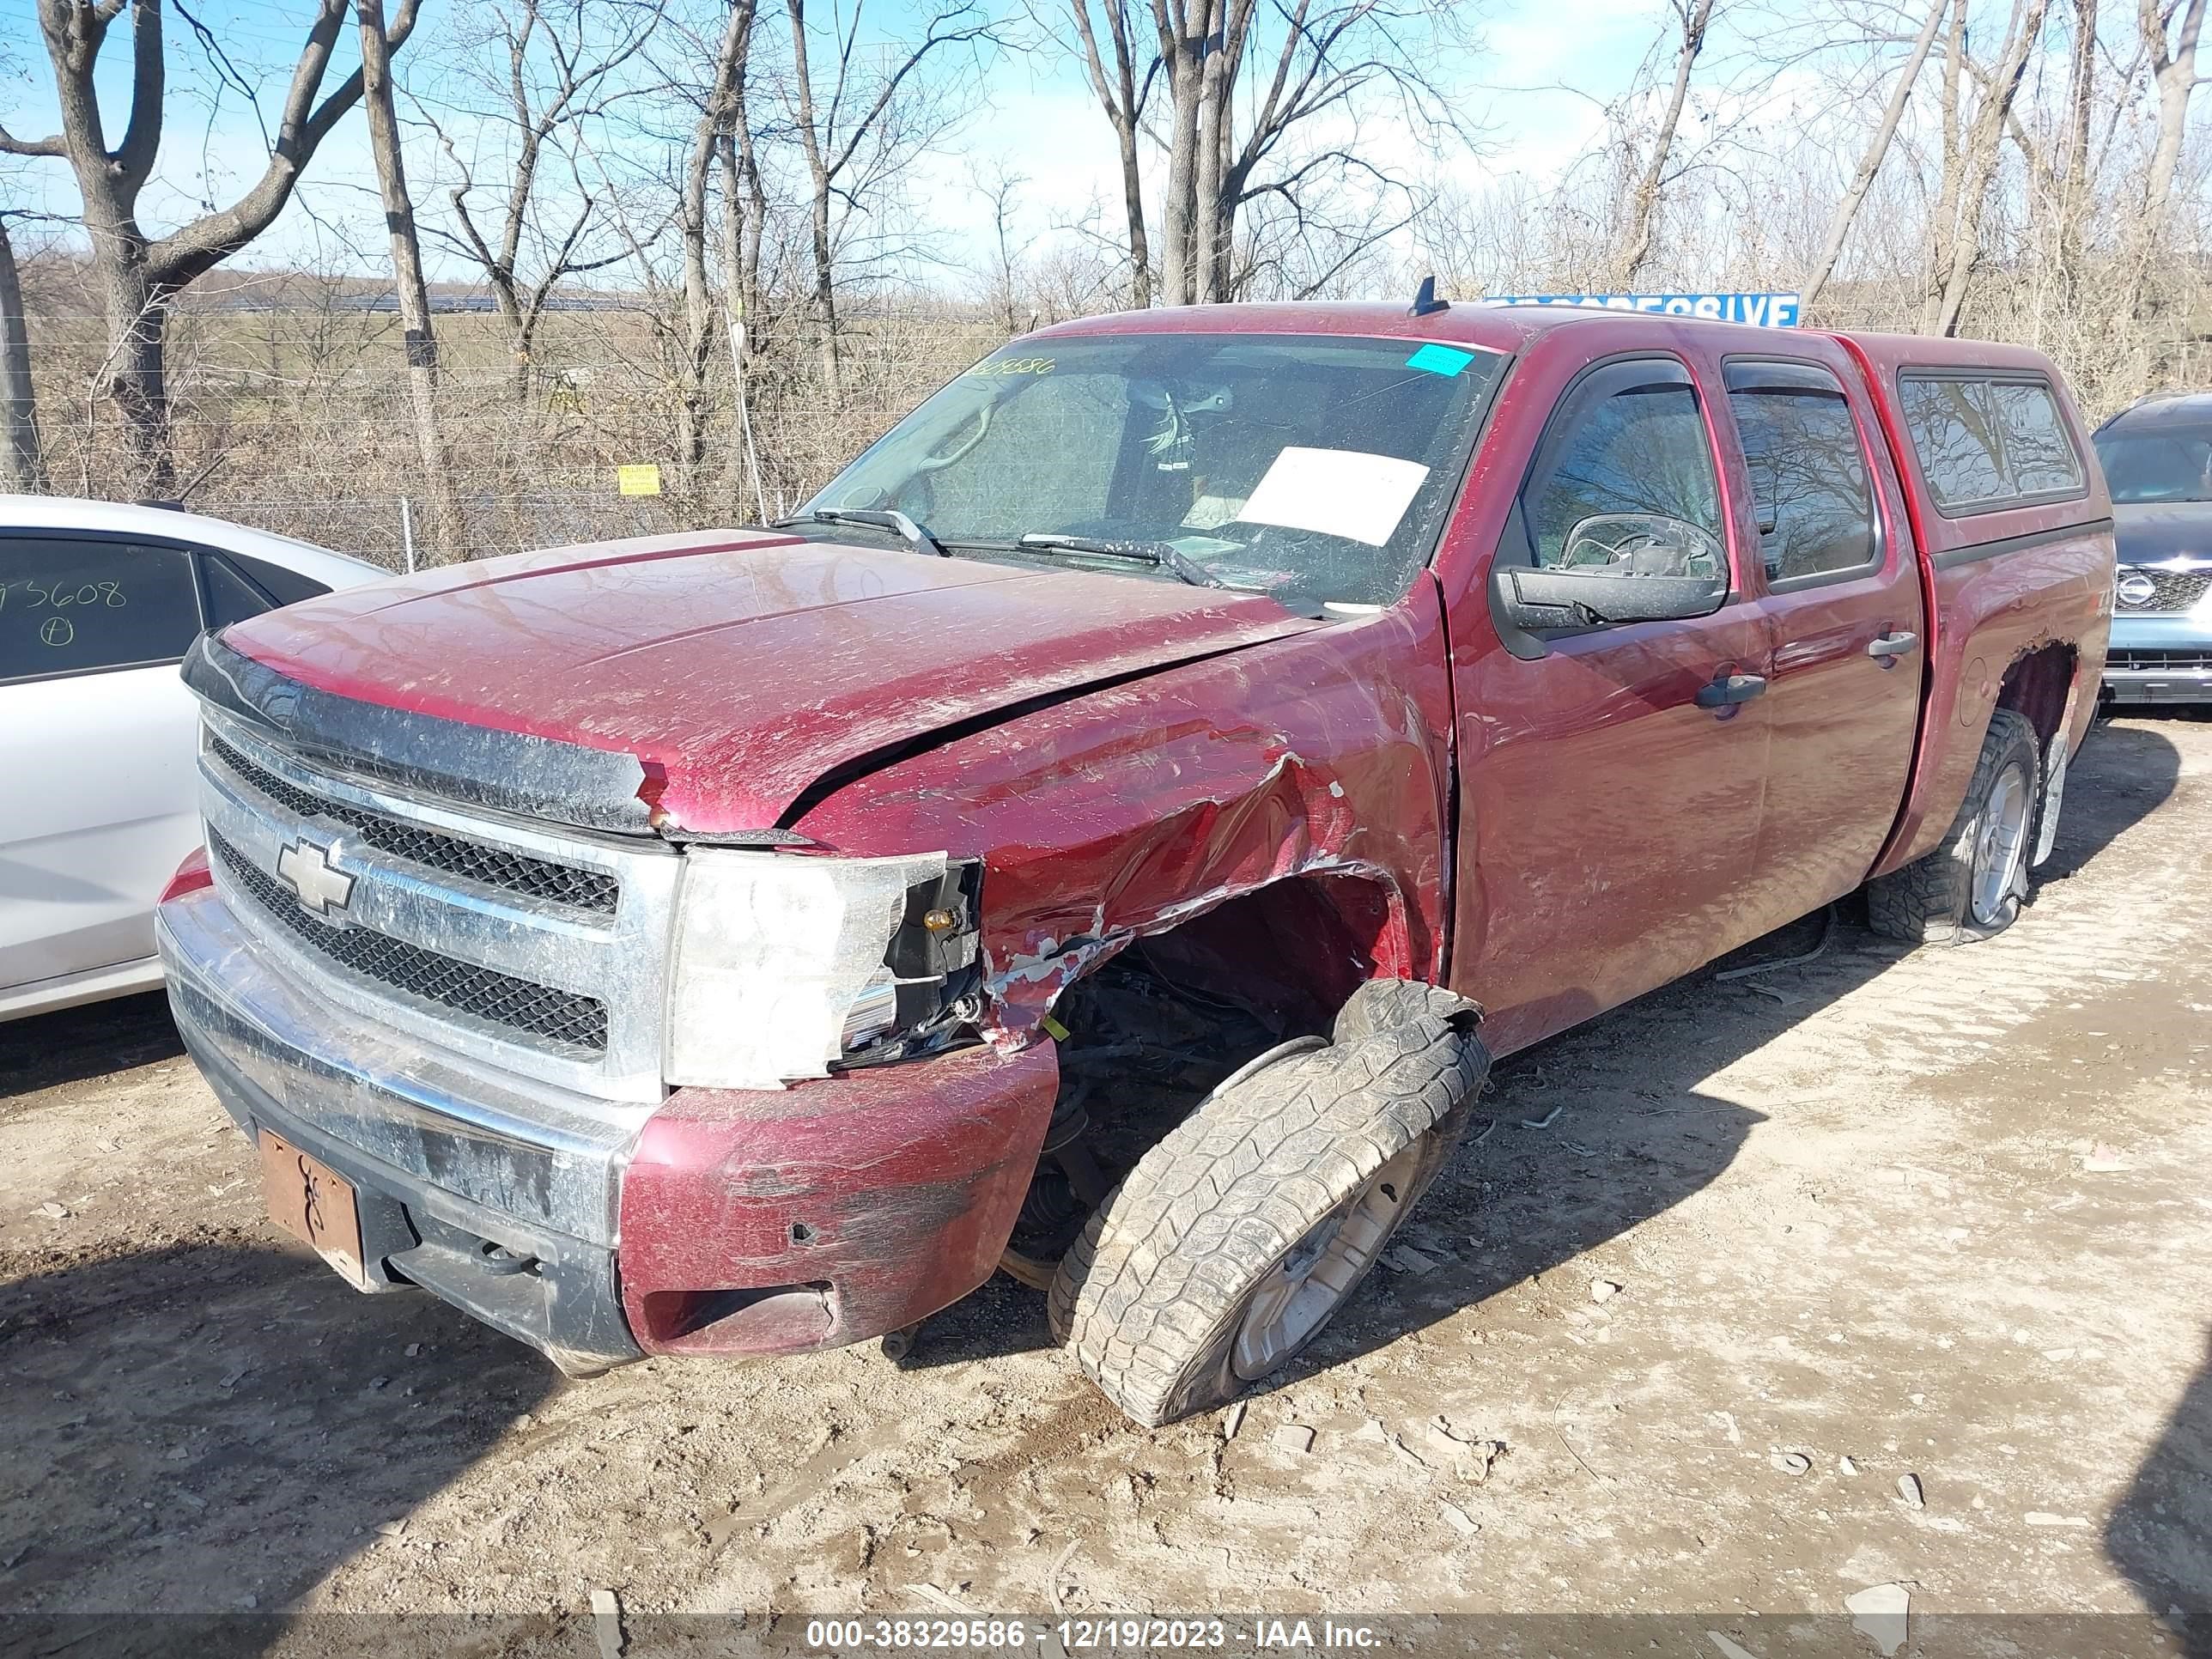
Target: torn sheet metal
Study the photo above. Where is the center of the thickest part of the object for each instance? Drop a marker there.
(1126, 811)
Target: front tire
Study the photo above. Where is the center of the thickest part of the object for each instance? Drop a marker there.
(1237, 1237)
(1972, 885)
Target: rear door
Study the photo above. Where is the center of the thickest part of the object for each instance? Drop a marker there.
(97, 747)
(1847, 640)
(1608, 817)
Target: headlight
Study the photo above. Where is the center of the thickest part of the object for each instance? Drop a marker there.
(786, 964)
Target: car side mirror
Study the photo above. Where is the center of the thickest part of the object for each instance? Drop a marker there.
(1618, 567)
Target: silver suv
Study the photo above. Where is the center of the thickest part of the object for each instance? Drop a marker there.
(2157, 457)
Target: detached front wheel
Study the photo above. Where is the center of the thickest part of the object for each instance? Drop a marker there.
(1238, 1236)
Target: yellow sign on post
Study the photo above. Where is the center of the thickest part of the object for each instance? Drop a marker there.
(638, 480)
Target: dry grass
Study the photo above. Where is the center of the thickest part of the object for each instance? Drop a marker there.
(295, 419)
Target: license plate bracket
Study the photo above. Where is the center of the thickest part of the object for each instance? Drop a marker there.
(315, 1203)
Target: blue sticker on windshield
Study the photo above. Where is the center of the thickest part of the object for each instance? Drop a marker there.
(1440, 360)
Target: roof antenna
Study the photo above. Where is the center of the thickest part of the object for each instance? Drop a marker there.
(1425, 301)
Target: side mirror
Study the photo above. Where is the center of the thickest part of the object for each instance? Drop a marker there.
(1618, 567)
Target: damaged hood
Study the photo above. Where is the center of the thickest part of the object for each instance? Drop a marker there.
(737, 670)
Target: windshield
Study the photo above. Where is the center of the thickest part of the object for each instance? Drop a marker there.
(1312, 469)
(2174, 465)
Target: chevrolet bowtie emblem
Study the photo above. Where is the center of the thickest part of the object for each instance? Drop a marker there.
(307, 869)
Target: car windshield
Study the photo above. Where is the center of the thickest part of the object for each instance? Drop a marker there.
(1311, 469)
(2169, 466)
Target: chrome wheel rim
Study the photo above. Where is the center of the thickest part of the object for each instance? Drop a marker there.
(2000, 844)
(1311, 1280)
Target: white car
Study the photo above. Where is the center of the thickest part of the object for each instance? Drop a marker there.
(99, 738)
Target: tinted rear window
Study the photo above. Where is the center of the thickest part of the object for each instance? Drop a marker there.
(2039, 450)
(1809, 475)
(69, 605)
(1985, 444)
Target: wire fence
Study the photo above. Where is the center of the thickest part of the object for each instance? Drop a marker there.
(304, 425)
(390, 529)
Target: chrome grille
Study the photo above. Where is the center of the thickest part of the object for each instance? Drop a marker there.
(586, 890)
(2171, 590)
(540, 1013)
(533, 948)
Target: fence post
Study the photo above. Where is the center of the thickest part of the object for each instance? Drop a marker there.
(407, 533)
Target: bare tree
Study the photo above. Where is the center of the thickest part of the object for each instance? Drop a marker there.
(1855, 194)
(22, 460)
(721, 114)
(2076, 197)
(1970, 159)
(744, 314)
(2060, 198)
(1634, 248)
(420, 336)
(1325, 60)
(2172, 58)
(140, 273)
(1123, 90)
(548, 67)
(744, 221)
(852, 109)
(1002, 187)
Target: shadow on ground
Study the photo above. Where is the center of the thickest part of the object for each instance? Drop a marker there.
(50, 1049)
(1518, 1202)
(2159, 1535)
(2125, 772)
(190, 1427)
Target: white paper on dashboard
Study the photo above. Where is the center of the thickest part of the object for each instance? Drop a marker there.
(1336, 492)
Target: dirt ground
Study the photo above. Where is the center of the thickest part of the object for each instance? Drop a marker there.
(1939, 1214)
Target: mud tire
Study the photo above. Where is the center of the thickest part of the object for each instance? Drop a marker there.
(1926, 902)
(1152, 1297)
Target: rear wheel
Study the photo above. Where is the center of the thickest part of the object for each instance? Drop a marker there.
(1971, 886)
(1237, 1237)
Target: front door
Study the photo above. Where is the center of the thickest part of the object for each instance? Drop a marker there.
(1609, 801)
(1846, 630)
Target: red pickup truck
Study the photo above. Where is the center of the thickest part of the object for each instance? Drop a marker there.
(1109, 831)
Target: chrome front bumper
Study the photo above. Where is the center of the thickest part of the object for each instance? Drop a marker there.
(498, 1193)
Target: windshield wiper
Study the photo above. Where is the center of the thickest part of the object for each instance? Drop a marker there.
(1162, 554)
(875, 519)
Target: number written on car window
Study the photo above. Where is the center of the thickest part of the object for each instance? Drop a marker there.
(68, 607)
(60, 595)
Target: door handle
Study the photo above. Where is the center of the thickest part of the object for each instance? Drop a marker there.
(1729, 690)
(1891, 645)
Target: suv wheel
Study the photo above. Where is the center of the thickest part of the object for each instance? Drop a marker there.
(1238, 1236)
(1972, 885)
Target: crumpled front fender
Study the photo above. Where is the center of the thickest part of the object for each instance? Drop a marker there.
(1126, 811)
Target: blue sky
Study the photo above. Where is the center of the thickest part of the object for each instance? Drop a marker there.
(1041, 120)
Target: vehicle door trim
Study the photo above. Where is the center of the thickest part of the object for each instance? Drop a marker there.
(1975, 552)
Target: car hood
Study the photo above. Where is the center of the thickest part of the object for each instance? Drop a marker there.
(2148, 532)
(740, 669)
